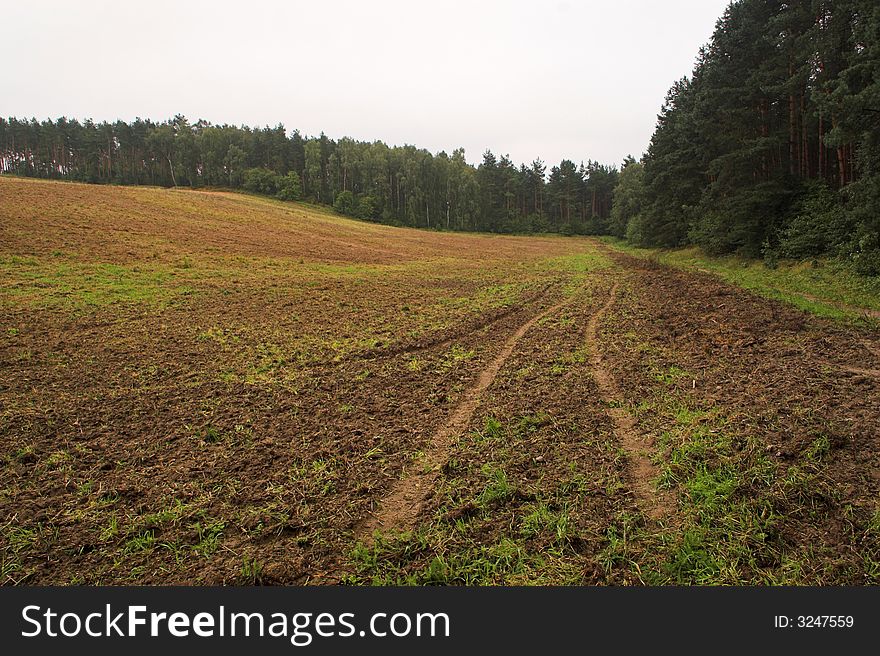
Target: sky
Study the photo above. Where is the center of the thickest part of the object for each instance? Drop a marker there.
(577, 79)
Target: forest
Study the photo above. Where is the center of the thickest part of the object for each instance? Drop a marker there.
(771, 148)
(400, 185)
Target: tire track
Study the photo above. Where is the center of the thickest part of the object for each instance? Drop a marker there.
(448, 338)
(858, 371)
(401, 506)
(865, 313)
(642, 472)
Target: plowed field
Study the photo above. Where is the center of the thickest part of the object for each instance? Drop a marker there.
(204, 387)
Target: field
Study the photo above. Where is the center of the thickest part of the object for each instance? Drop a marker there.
(204, 387)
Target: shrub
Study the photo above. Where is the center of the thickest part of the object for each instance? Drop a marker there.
(866, 259)
(366, 208)
(635, 231)
(820, 226)
(345, 203)
(261, 181)
(289, 187)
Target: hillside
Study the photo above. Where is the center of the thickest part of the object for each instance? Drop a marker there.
(207, 387)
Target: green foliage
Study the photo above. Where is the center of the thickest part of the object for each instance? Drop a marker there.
(638, 230)
(345, 203)
(261, 181)
(740, 223)
(821, 224)
(251, 572)
(863, 197)
(366, 208)
(403, 185)
(234, 163)
(772, 146)
(497, 489)
(289, 186)
(627, 199)
(867, 259)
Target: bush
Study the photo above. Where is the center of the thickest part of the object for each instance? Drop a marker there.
(711, 232)
(867, 263)
(659, 225)
(289, 187)
(742, 221)
(771, 255)
(820, 226)
(520, 225)
(627, 199)
(366, 208)
(538, 223)
(595, 225)
(866, 258)
(345, 203)
(636, 233)
(261, 181)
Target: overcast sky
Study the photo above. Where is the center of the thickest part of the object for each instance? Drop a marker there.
(577, 79)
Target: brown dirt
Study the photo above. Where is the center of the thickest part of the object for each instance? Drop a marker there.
(275, 411)
(232, 407)
(642, 472)
(555, 447)
(761, 357)
(132, 224)
(783, 380)
(858, 370)
(130, 409)
(398, 511)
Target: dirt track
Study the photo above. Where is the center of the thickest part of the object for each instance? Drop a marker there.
(642, 472)
(769, 456)
(651, 426)
(399, 510)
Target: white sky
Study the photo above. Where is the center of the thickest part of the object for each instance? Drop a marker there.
(578, 79)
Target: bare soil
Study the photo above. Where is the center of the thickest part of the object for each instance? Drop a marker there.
(399, 510)
(525, 422)
(642, 472)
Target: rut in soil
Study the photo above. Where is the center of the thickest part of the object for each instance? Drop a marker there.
(401, 507)
(642, 472)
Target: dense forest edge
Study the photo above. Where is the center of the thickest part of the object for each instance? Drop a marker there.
(395, 185)
(826, 287)
(770, 149)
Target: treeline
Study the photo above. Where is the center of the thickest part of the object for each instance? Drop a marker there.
(772, 147)
(401, 185)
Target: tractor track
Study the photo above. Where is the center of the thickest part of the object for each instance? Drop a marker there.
(642, 472)
(402, 505)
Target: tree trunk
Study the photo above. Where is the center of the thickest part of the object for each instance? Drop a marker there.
(805, 141)
(447, 204)
(792, 127)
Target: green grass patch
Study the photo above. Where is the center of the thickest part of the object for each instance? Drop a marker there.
(742, 512)
(50, 282)
(824, 287)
